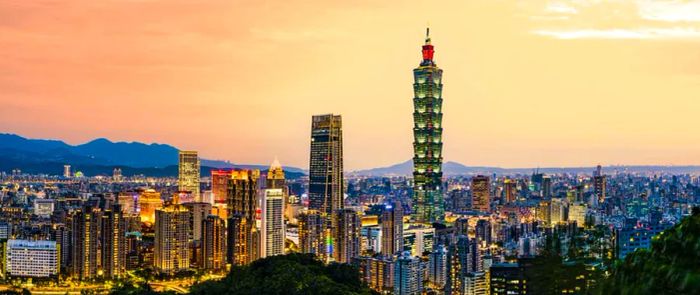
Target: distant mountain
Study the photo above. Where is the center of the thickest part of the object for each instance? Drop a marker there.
(100, 156)
(454, 168)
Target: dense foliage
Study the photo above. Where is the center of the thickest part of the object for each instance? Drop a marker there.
(287, 274)
(671, 266)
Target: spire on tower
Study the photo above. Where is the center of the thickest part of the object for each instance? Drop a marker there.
(428, 50)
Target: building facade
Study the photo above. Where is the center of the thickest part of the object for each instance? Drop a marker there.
(428, 205)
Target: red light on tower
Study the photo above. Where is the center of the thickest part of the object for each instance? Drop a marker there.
(428, 50)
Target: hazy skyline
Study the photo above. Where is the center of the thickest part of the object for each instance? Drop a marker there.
(527, 83)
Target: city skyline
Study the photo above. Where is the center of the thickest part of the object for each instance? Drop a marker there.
(546, 80)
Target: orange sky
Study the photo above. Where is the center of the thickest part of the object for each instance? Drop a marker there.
(527, 83)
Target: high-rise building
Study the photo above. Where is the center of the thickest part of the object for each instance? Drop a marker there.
(85, 241)
(475, 284)
(275, 178)
(481, 194)
(66, 171)
(312, 234)
(428, 205)
(599, 185)
(113, 242)
(219, 185)
(507, 278)
(457, 265)
(188, 176)
(171, 252)
(392, 229)
(117, 174)
(149, 201)
(326, 186)
(31, 258)
(408, 275)
(377, 272)
(346, 229)
(509, 190)
(272, 230)
(437, 268)
(242, 197)
(198, 212)
(213, 250)
(547, 187)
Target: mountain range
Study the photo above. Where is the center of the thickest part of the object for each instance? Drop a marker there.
(101, 156)
(454, 168)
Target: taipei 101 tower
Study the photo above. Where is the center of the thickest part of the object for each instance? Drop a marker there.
(428, 205)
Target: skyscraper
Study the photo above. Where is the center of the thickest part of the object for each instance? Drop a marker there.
(481, 194)
(171, 252)
(392, 229)
(272, 231)
(346, 235)
(85, 241)
(198, 212)
(213, 253)
(219, 185)
(428, 202)
(599, 185)
(113, 242)
(326, 164)
(509, 189)
(408, 275)
(242, 196)
(189, 173)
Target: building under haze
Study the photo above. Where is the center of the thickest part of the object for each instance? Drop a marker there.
(428, 205)
(188, 176)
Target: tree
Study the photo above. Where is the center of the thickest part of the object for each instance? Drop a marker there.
(671, 266)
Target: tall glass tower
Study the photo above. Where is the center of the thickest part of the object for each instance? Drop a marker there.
(428, 202)
(326, 164)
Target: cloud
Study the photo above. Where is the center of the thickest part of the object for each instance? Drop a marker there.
(641, 33)
(618, 19)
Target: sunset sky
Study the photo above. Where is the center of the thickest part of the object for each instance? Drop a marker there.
(527, 83)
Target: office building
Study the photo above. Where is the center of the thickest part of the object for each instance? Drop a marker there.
(599, 185)
(481, 194)
(242, 200)
(188, 173)
(326, 185)
(427, 133)
(219, 185)
(392, 229)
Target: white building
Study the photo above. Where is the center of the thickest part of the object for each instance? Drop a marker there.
(272, 233)
(31, 258)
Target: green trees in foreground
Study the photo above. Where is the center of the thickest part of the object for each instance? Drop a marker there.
(287, 274)
(671, 266)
